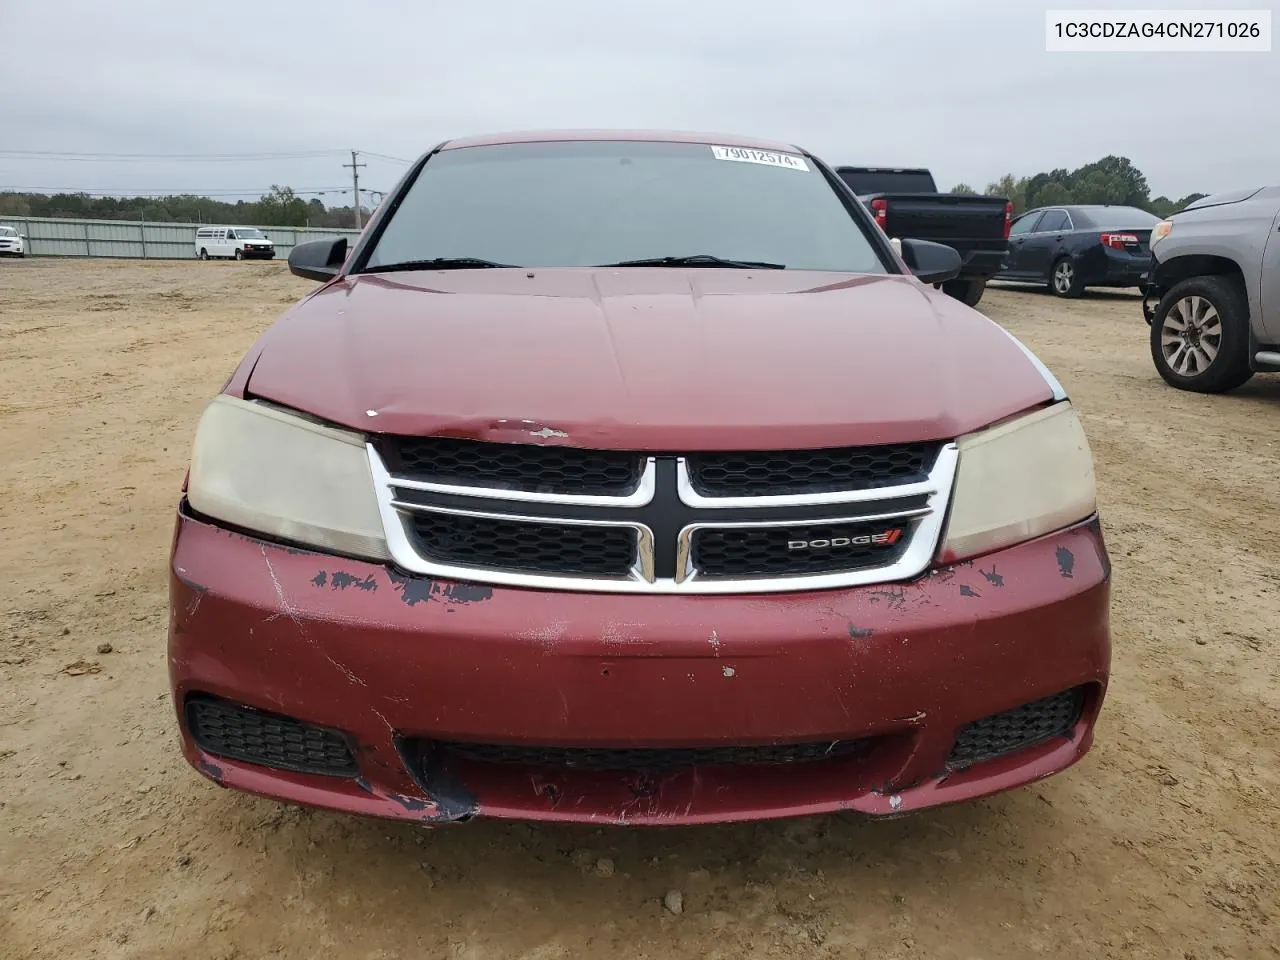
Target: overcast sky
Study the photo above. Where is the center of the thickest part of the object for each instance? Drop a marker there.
(962, 86)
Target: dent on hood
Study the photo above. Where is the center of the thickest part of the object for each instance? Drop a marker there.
(648, 360)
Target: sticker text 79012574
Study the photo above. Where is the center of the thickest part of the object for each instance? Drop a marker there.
(769, 159)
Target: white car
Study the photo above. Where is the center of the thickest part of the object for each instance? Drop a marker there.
(242, 243)
(12, 243)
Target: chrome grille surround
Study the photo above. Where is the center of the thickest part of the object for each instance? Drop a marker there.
(664, 484)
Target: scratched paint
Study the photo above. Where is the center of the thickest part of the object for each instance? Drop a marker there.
(341, 580)
(858, 633)
(617, 632)
(287, 608)
(529, 428)
(415, 590)
(189, 583)
(546, 635)
(899, 599)
(546, 789)
(992, 576)
(452, 801)
(1066, 562)
(547, 432)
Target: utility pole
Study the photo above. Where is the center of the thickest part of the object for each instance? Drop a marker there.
(355, 166)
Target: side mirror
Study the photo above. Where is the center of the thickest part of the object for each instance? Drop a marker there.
(318, 259)
(931, 262)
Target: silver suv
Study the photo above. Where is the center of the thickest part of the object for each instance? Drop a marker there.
(1212, 295)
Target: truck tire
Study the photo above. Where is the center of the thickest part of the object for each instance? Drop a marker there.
(968, 290)
(1200, 336)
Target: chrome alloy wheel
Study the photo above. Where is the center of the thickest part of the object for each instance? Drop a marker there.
(1064, 274)
(1191, 336)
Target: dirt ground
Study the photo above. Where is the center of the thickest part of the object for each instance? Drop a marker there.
(1164, 842)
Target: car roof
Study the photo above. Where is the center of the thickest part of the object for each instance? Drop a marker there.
(1086, 207)
(651, 136)
(1104, 206)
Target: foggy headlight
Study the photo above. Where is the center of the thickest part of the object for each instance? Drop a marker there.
(1018, 481)
(265, 470)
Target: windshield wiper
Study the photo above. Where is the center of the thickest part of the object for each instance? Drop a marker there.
(437, 263)
(699, 260)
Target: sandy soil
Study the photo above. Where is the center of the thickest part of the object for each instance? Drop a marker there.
(1164, 842)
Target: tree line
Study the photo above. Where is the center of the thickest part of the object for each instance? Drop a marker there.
(1113, 180)
(279, 207)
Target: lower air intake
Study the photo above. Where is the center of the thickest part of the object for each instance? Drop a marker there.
(236, 732)
(646, 759)
(1017, 729)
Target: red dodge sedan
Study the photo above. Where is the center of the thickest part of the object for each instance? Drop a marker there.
(635, 478)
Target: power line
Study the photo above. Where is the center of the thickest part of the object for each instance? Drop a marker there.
(383, 156)
(163, 157)
(182, 191)
(86, 157)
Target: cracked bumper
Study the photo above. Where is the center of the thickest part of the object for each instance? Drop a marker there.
(389, 660)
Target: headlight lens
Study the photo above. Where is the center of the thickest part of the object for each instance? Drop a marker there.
(1160, 231)
(1020, 480)
(266, 470)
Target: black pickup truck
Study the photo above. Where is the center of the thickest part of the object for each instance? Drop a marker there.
(907, 205)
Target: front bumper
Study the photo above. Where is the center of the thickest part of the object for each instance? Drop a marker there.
(393, 662)
(259, 253)
(1151, 290)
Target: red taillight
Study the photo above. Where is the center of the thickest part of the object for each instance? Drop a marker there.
(1008, 217)
(1118, 241)
(880, 207)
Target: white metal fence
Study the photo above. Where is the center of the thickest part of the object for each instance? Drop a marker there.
(55, 237)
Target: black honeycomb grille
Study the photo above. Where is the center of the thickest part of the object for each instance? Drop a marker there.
(548, 548)
(242, 733)
(828, 548)
(754, 474)
(647, 759)
(502, 466)
(1017, 729)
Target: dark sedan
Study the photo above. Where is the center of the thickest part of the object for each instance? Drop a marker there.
(1073, 247)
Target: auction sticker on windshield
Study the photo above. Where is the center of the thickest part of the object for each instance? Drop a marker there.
(745, 155)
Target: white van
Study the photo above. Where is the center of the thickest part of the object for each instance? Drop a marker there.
(240, 243)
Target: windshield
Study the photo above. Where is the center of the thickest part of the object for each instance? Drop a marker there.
(606, 202)
(8, 232)
(248, 233)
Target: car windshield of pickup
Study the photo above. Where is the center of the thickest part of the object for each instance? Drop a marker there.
(629, 203)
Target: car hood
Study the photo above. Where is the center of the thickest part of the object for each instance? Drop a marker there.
(1221, 199)
(644, 359)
